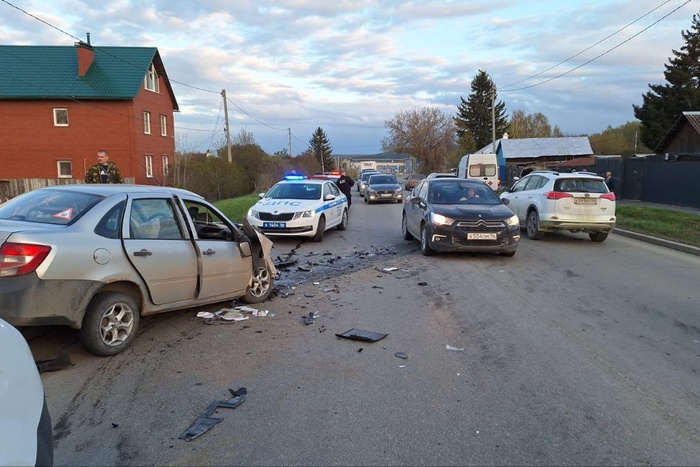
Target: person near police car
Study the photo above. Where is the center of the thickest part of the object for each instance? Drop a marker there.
(345, 185)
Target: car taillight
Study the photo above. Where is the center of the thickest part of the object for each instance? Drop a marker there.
(17, 259)
(558, 195)
(610, 196)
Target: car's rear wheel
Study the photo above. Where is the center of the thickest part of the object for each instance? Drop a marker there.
(425, 242)
(320, 230)
(110, 323)
(404, 229)
(343, 221)
(598, 236)
(261, 286)
(533, 226)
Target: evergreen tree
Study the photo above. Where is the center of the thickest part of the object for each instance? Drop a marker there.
(321, 149)
(665, 103)
(474, 115)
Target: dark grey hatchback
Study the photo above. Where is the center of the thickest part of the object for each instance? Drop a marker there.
(452, 214)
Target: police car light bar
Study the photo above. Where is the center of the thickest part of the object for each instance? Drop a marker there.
(294, 177)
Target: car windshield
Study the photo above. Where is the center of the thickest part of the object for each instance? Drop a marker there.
(382, 180)
(461, 192)
(365, 176)
(49, 206)
(580, 185)
(295, 191)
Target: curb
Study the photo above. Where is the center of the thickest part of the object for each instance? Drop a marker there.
(659, 241)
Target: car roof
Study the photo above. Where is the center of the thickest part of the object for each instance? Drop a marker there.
(442, 175)
(312, 181)
(108, 189)
(556, 174)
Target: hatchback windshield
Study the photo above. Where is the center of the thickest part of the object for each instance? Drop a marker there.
(461, 192)
(295, 191)
(49, 207)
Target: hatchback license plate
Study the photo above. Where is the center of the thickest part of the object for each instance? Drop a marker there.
(585, 201)
(481, 236)
(275, 225)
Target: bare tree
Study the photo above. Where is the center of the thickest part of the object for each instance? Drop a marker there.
(534, 125)
(427, 134)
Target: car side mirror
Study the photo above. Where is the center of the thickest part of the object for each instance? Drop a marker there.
(245, 249)
(505, 201)
(417, 201)
(261, 195)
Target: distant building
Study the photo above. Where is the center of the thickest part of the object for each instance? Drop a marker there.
(682, 141)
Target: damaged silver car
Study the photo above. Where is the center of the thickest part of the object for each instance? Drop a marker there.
(98, 257)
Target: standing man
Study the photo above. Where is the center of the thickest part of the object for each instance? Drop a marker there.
(610, 181)
(345, 184)
(105, 171)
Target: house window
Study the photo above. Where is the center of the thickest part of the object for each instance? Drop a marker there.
(149, 166)
(60, 117)
(151, 80)
(147, 123)
(65, 169)
(165, 166)
(163, 125)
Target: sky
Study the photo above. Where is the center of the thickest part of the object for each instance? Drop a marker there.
(347, 66)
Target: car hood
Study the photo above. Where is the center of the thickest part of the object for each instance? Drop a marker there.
(473, 211)
(384, 186)
(279, 206)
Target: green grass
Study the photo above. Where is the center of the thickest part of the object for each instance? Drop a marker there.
(663, 223)
(237, 208)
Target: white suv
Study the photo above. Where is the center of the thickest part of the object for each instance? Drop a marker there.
(548, 201)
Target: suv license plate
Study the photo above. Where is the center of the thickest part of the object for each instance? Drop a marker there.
(585, 201)
(481, 236)
(275, 225)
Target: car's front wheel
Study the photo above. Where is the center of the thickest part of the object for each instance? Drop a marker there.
(533, 226)
(425, 241)
(110, 323)
(320, 230)
(404, 229)
(261, 286)
(598, 236)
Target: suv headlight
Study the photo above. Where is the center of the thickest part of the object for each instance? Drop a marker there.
(513, 221)
(439, 219)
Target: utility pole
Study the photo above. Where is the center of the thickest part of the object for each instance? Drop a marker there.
(493, 118)
(227, 129)
(289, 133)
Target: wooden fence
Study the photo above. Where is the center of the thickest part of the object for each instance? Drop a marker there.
(14, 187)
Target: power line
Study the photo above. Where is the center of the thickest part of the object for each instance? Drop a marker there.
(602, 54)
(587, 48)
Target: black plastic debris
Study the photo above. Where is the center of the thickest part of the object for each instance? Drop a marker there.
(403, 355)
(206, 421)
(54, 364)
(286, 264)
(310, 318)
(360, 335)
(423, 284)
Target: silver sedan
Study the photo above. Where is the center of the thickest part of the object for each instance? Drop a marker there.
(98, 257)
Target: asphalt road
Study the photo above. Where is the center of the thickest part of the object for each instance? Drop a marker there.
(572, 353)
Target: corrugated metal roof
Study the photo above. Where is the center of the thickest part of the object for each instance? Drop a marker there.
(541, 147)
(691, 117)
(51, 72)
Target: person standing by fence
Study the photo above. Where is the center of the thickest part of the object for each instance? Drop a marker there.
(610, 181)
(105, 171)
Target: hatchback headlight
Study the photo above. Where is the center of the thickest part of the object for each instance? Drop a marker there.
(513, 221)
(439, 219)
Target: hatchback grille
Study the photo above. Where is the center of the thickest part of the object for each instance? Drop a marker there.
(481, 225)
(266, 216)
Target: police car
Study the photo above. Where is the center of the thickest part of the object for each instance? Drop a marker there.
(303, 207)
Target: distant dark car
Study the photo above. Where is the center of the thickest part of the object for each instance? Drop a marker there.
(362, 182)
(453, 214)
(413, 180)
(382, 187)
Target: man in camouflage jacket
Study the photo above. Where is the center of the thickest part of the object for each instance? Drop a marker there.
(105, 171)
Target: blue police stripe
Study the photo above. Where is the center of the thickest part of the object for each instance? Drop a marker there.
(331, 204)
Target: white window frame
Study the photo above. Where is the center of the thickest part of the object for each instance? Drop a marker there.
(56, 119)
(64, 163)
(163, 125)
(150, 81)
(149, 166)
(146, 122)
(165, 165)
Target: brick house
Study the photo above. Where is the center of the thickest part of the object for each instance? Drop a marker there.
(60, 104)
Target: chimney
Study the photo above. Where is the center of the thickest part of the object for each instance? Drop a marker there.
(85, 56)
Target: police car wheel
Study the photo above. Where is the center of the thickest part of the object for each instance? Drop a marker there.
(344, 221)
(318, 237)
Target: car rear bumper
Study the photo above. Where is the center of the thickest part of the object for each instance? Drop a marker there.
(551, 225)
(29, 301)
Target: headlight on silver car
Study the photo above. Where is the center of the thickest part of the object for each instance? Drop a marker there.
(513, 221)
(439, 219)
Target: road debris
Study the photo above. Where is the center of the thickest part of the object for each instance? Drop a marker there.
(206, 421)
(457, 349)
(403, 355)
(54, 364)
(310, 318)
(360, 335)
(422, 284)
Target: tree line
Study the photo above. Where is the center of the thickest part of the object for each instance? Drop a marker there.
(436, 141)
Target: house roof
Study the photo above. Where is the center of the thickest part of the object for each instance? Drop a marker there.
(525, 148)
(690, 117)
(51, 72)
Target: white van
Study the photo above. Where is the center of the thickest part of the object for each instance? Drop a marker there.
(482, 167)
